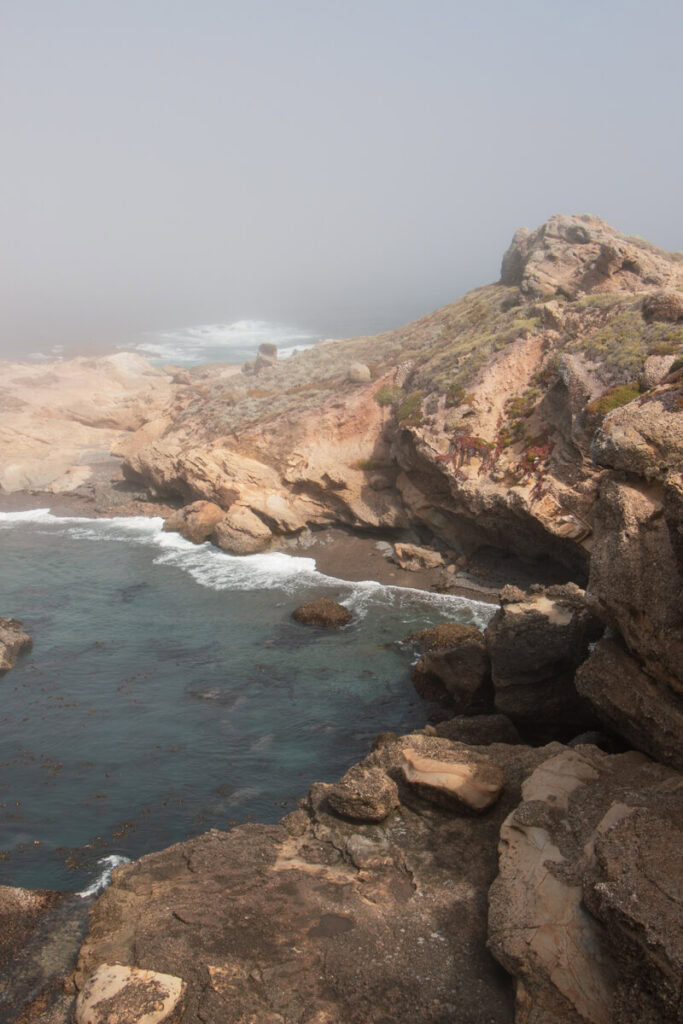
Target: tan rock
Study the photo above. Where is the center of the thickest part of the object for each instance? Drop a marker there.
(474, 784)
(195, 522)
(116, 994)
(415, 558)
(13, 642)
(359, 373)
(241, 532)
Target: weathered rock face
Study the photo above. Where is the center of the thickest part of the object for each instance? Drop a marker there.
(640, 857)
(322, 612)
(13, 642)
(320, 919)
(536, 641)
(561, 846)
(645, 711)
(454, 666)
(122, 995)
(195, 522)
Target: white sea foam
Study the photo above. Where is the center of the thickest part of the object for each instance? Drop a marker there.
(107, 864)
(217, 570)
(225, 343)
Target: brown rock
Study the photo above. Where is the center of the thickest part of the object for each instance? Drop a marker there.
(454, 665)
(473, 783)
(116, 994)
(479, 730)
(195, 522)
(323, 612)
(643, 710)
(241, 532)
(13, 642)
(535, 645)
(364, 795)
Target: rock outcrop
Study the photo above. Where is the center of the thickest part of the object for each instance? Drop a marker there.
(195, 522)
(454, 666)
(536, 641)
(13, 642)
(561, 849)
(322, 919)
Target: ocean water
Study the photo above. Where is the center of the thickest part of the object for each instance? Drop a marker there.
(169, 690)
(221, 343)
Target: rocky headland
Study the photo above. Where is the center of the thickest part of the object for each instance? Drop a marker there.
(519, 859)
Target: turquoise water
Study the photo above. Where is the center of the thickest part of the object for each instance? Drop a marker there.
(169, 690)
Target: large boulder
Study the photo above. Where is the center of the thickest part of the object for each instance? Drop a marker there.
(536, 641)
(358, 373)
(666, 305)
(364, 794)
(566, 961)
(195, 522)
(643, 710)
(469, 781)
(117, 994)
(13, 642)
(415, 558)
(322, 612)
(454, 666)
(241, 532)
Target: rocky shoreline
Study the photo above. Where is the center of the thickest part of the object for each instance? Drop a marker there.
(518, 860)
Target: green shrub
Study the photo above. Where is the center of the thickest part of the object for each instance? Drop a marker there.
(409, 412)
(387, 395)
(612, 399)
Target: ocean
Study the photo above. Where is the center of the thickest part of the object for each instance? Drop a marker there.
(231, 343)
(169, 690)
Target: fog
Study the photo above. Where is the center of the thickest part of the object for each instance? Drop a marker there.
(339, 166)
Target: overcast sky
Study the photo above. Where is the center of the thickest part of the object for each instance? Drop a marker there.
(344, 165)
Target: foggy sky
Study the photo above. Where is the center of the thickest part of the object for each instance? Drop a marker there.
(341, 165)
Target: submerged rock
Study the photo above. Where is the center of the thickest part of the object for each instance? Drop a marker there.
(116, 994)
(13, 642)
(322, 612)
(364, 795)
(195, 522)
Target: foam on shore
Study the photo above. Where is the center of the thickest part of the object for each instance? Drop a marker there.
(210, 567)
